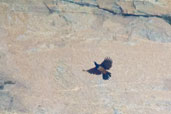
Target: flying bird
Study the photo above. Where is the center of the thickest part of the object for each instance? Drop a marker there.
(102, 68)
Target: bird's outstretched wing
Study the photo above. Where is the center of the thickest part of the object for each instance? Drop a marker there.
(93, 71)
(107, 63)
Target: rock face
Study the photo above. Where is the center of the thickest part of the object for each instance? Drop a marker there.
(45, 45)
(154, 7)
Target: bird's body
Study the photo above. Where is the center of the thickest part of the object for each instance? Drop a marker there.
(102, 68)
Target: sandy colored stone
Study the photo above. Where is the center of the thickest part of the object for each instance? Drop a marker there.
(44, 54)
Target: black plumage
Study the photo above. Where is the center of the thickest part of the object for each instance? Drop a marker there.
(102, 68)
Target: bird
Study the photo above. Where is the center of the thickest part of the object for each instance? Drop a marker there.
(102, 68)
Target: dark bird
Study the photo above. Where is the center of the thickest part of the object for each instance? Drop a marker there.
(102, 68)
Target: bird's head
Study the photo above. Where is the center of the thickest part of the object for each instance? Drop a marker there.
(96, 64)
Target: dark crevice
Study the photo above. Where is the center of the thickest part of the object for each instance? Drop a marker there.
(1, 87)
(90, 5)
(49, 9)
(5, 83)
(56, 11)
(81, 3)
(167, 18)
(9, 82)
(137, 15)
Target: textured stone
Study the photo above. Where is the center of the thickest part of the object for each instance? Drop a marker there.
(157, 7)
(43, 50)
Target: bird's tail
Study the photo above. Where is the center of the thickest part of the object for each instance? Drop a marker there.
(84, 70)
(106, 76)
